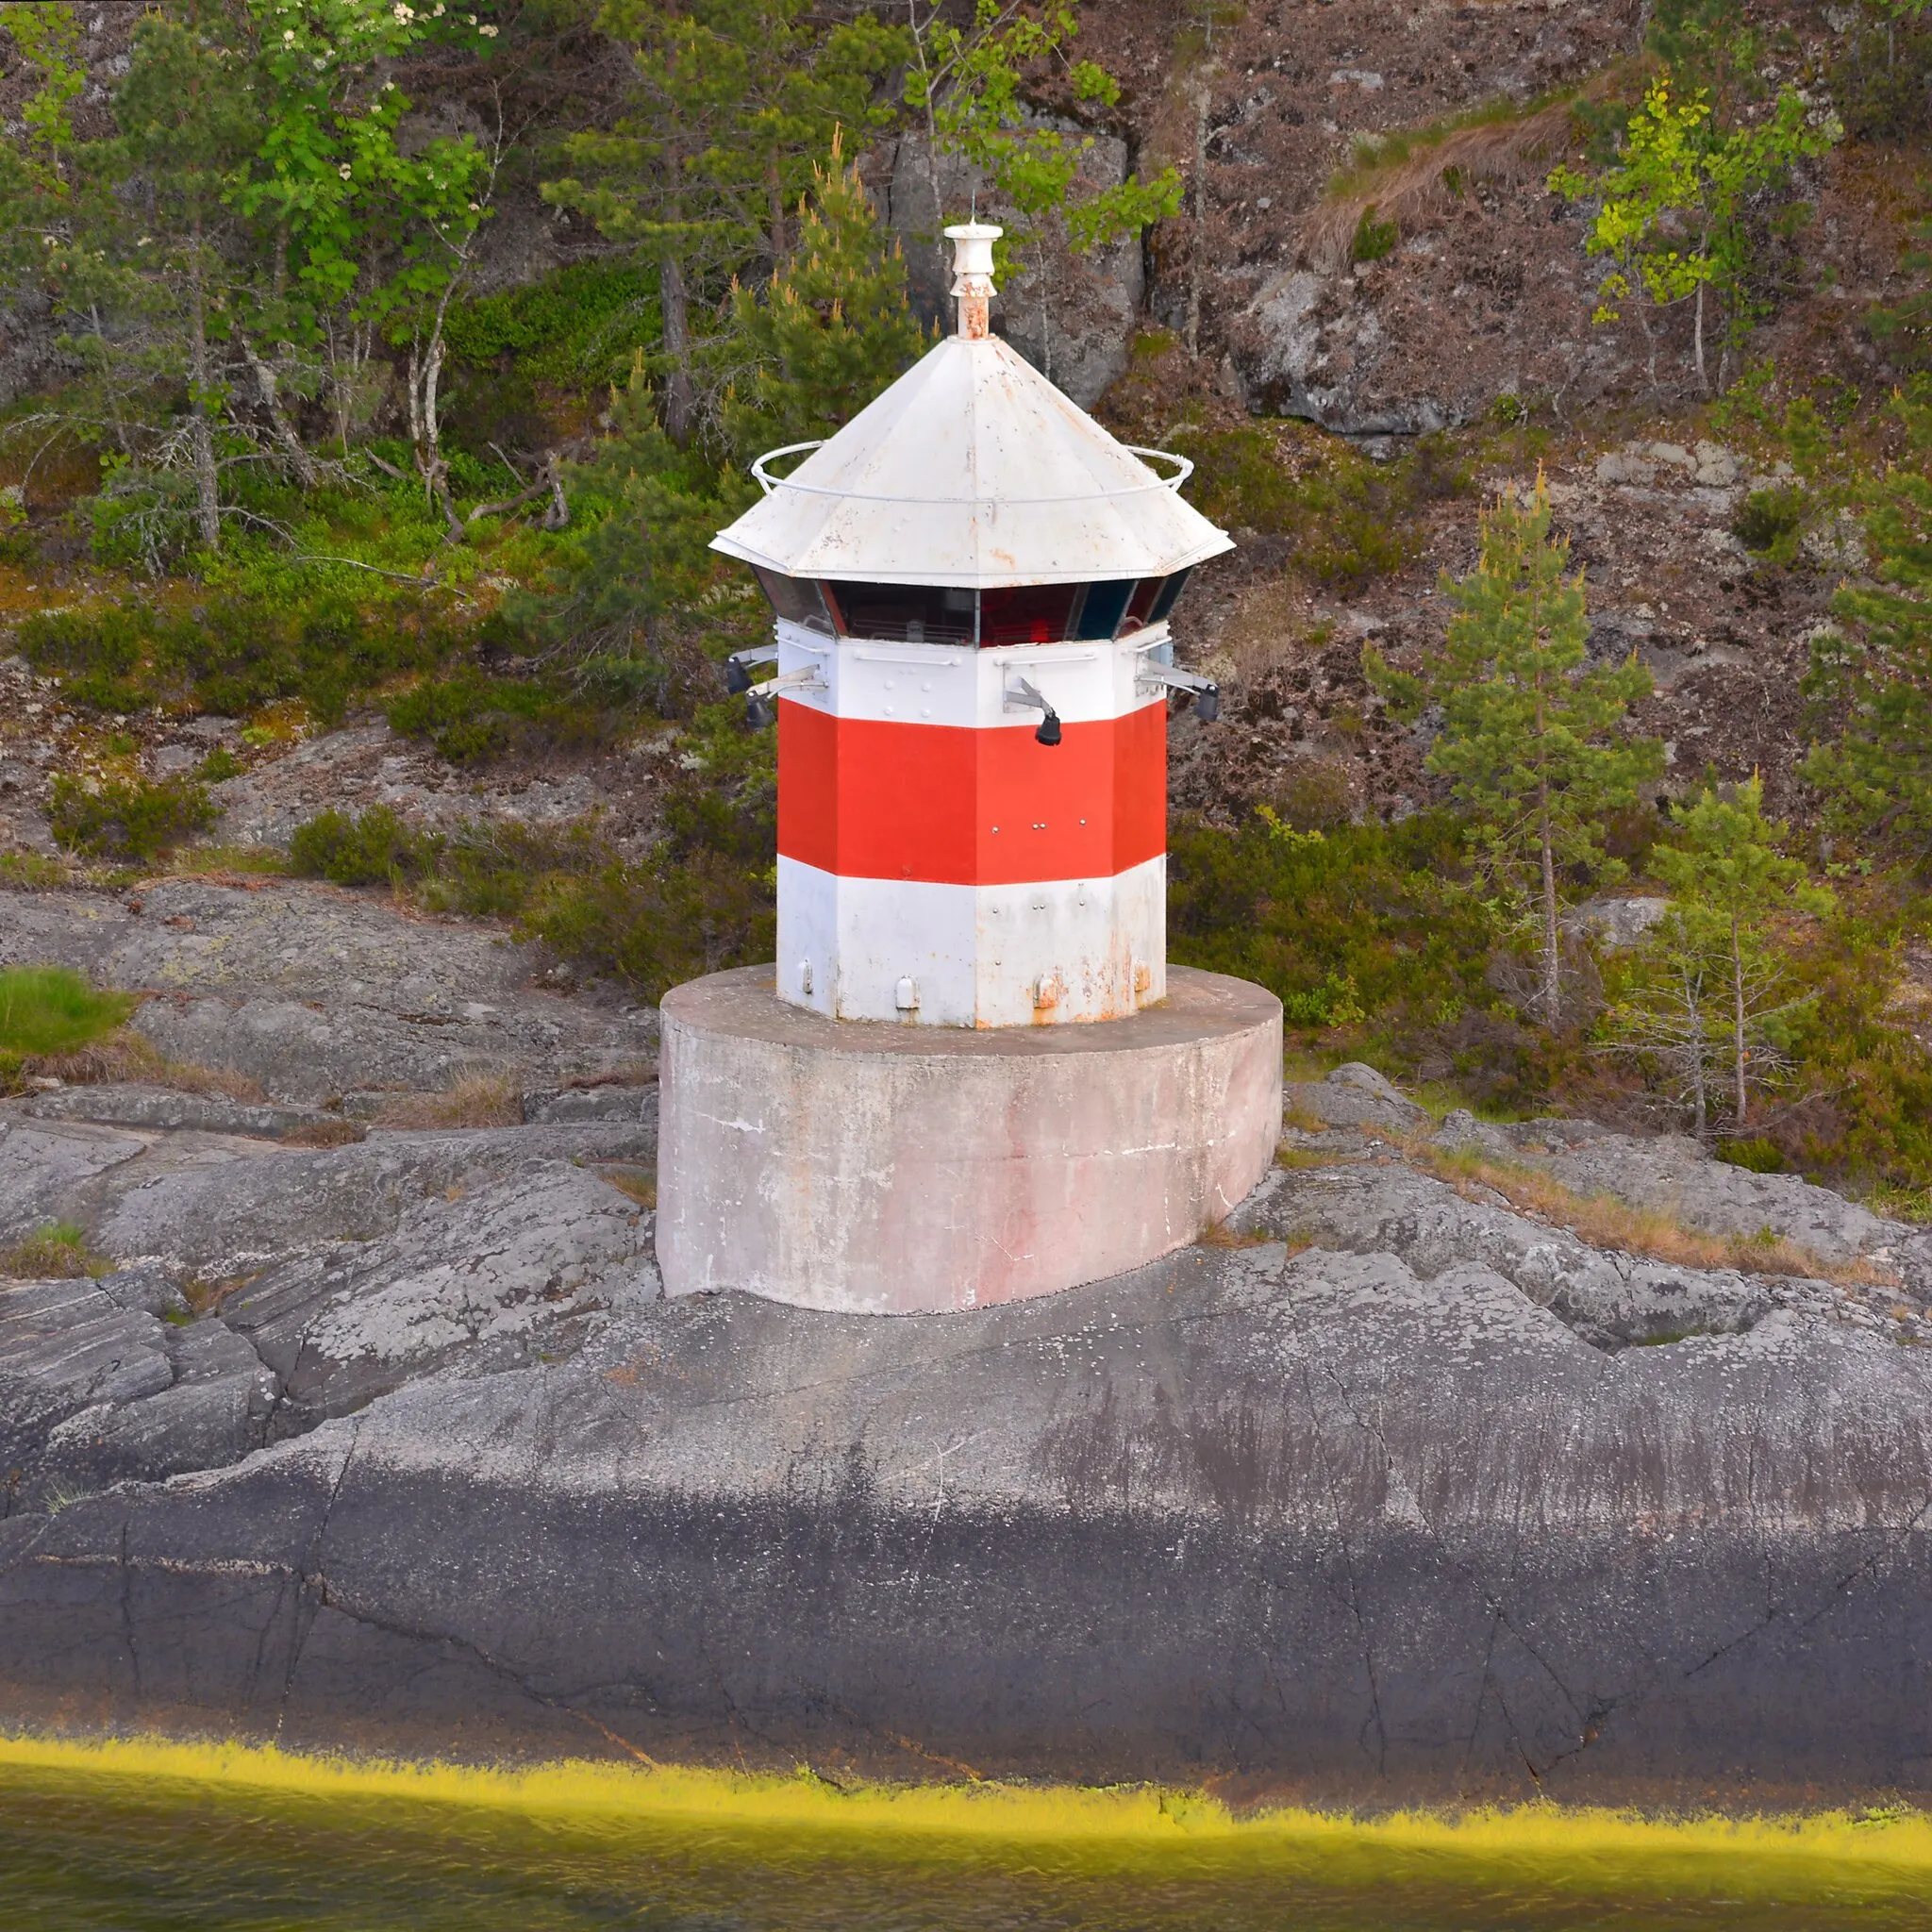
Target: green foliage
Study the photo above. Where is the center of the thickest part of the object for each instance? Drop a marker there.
(1710, 989)
(1870, 1119)
(252, 204)
(703, 899)
(1372, 928)
(1348, 520)
(1374, 239)
(233, 656)
(1877, 673)
(127, 818)
(831, 329)
(1904, 328)
(369, 848)
(471, 717)
(50, 1009)
(968, 83)
(1881, 80)
(1768, 522)
(1672, 211)
(1755, 1154)
(642, 600)
(730, 104)
(580, 325)
(1533, 737)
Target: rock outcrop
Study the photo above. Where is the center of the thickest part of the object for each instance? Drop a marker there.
(1394, 1491)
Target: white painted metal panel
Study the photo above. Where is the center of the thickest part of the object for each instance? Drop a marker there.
(1070, 950)
(973, 470)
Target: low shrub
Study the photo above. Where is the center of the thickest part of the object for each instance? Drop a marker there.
(370, 848)
(1768, 521)
(1347, 520)
(1755, 1154)
(235, 655)
(129, 817)
(471, 717)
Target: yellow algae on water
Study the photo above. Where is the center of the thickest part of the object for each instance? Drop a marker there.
(1580, 1851)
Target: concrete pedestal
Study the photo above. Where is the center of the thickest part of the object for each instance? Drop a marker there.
(872, 1168)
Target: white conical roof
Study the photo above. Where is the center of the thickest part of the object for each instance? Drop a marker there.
(972, 470)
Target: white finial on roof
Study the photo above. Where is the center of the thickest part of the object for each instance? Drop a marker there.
(973, 276)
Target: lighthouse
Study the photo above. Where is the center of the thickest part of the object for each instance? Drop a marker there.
(972, 585)
(970, 1076)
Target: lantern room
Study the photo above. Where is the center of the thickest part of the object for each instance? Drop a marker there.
(972, 585)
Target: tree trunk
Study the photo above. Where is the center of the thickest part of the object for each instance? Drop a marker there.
(1697, 344)
(426, 368)
(207, 497)
(680, 402)
(299, 458)
(1738, 1015)
(1700, 1111)
(1552, 957)
(1197, 255)
(775, 196)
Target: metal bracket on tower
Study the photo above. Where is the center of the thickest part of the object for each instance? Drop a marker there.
(1207, 694)
(1021, 696)
(758, 708)
(737, 672)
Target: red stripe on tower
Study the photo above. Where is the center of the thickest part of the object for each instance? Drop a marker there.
(957, 805)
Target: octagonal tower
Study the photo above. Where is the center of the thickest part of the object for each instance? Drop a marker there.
(972, 585)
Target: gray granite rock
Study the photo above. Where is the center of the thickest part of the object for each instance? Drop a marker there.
(226, 1223)
(1323, 1526)
(501, 1278)
(1677, 1175)
(1610, 1300)
(45, 1167)
(131, 1105)
(1354, 1096)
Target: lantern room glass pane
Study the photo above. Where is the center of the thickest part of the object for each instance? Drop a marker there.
(1028, 614)
(909, 613)
(1170, 589)
(796, 598)
(1101, 608)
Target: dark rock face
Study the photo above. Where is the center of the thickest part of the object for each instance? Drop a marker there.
(1312, 1525)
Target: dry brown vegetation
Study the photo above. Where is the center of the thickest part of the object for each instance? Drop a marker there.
(476, 1100)
(130, 1057)
(1406, 178)
(1604, 1222)
(639, 1183)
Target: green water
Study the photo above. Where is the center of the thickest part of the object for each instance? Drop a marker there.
(97, 1853)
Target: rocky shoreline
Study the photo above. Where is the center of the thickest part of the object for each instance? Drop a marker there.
(1392, 1491)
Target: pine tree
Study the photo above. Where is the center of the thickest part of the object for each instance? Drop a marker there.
(1731, 877)
(1532, 737)
(1877, 777)
(831, 330)
(728, 101)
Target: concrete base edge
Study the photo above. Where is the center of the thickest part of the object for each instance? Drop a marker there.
(901, 1170)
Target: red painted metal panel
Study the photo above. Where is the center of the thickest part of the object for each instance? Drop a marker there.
(871, 798)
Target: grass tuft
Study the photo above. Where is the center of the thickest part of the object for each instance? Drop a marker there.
(1604, 1222)
(53, 1010)
(56, 1252)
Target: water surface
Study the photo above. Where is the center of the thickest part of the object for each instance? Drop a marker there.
(92, 1843)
